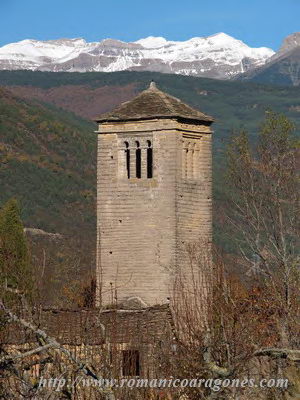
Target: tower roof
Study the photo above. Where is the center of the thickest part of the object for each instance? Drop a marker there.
(153, 103)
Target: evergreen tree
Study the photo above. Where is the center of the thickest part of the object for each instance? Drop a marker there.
(15, 266)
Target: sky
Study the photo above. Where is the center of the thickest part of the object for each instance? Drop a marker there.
(255, 22)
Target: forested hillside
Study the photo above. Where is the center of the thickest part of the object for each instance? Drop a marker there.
(232, 103)
(48, 146)
(48, 164)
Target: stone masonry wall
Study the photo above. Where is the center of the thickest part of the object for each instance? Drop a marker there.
(194, 191)
(143, 222)
(136, 217)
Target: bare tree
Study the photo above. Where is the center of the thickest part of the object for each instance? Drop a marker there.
(265, 198)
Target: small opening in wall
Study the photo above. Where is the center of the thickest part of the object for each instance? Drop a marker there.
(127, 157)
(120, 221)
(149, 160)
(131, 363)
(138, 160)
(112, 157)
(110, 252)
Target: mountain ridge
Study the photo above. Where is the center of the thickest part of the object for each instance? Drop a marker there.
(216, 56)
(283, 68)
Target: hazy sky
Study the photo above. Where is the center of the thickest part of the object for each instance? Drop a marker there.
(256, 22)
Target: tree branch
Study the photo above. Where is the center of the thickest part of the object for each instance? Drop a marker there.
(293, 355)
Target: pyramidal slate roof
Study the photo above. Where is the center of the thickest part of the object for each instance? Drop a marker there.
(153, 103)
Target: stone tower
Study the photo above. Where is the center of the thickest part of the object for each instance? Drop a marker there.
(153, 194)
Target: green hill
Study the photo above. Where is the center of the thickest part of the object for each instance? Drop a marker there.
(48, 163)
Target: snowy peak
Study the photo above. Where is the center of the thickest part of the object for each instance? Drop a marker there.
(152, 42)
(51, 50)
(219, 39)
(217, 56)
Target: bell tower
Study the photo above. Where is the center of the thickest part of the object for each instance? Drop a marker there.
(153, 195)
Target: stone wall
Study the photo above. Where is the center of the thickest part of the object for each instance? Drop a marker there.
(102, 340)
(92, 327)
(194, 192)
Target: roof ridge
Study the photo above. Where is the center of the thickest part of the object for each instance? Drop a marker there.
(153, 102)
(167, 101)
(166, 98)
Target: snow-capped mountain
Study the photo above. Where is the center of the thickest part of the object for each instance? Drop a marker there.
(218, 56)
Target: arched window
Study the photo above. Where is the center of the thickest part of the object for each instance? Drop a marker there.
(192, 166)
(127, 159)
(190, 161)
(149, 160)
(138, 160)
(186, 162)
(197, 160)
